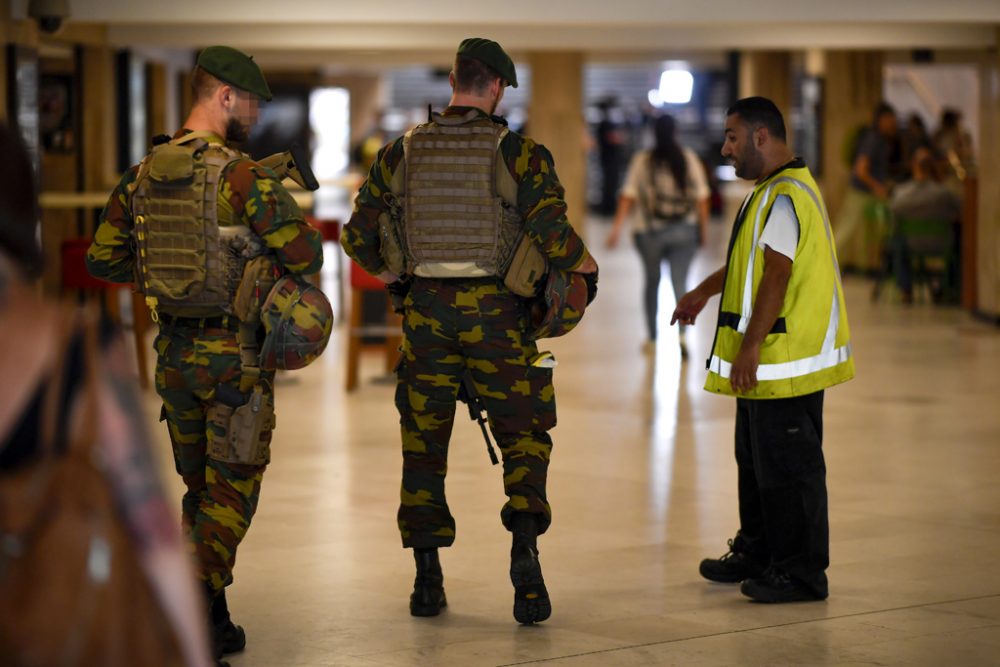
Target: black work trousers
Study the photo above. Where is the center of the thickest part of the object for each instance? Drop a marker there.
(782, 485)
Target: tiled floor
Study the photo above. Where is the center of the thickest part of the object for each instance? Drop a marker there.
(643, 486)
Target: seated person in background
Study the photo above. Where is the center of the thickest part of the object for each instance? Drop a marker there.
(925, 198)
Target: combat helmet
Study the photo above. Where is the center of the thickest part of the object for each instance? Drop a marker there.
(297, 319)
(562, 302)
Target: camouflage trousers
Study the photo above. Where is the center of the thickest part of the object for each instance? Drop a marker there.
(221, 498)
(450, 326)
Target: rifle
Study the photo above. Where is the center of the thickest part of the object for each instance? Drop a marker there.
(467, 394)
(293, 164)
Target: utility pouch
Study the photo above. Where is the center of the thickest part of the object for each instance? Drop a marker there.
(256, 283)
(527, 268)
(241, 433)
(172, 163)
(390, 249)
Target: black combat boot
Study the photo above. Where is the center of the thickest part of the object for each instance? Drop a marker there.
(427, 598)
(227, 637)
(531, 599)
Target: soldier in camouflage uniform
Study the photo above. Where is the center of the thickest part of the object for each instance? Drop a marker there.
(198, 351)
(456, 323)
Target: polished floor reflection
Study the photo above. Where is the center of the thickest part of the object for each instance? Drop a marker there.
(643, 486)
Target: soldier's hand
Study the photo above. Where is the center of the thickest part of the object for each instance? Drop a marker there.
(398, 290)
(589, 266)
(387, 277)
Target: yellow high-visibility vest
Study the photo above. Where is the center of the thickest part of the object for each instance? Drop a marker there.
(809, 347)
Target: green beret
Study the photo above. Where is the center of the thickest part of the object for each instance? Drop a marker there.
(235, 68)
(490, 54)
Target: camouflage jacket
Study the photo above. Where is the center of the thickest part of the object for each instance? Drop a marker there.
(256, 197)
(539, 201)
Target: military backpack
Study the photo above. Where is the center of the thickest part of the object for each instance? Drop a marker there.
(188, 261)
(453, 207)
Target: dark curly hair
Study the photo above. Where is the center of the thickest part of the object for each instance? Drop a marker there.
(760, 112)
(18, 205)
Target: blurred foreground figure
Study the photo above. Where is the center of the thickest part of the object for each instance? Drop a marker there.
(93, 569)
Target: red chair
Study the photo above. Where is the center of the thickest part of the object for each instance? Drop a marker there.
(73, 265)
(358, 329)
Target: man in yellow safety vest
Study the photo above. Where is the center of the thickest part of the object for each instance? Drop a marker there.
(781, 339)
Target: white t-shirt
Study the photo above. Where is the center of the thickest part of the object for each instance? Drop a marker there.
(781, 231)
(637, 184)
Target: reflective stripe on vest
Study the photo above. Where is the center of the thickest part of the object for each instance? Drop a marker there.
(747, 309)
(829, 355)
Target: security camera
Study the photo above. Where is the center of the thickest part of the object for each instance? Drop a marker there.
(50, 14)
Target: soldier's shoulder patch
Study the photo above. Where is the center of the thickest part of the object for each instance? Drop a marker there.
(242, 174)
(391, 153)
(535, 151)
(130, 175)
(261, 172)
(544, 154)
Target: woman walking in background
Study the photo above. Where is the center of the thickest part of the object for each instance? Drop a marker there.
(669, 184)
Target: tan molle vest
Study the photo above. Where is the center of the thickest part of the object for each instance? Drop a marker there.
(460, 217)
(189, 254)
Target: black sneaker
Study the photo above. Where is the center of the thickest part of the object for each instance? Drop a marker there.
(732, 568)
(776, 585)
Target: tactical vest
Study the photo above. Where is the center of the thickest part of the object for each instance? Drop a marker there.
(809, 346)
(190, 252)
(458, 199)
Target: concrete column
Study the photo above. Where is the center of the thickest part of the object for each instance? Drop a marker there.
(987, 231)
(98, 117)
(156, 99)
(555, 118)
(4, 39)
(852, 87)
(367, 101)
(768, 74)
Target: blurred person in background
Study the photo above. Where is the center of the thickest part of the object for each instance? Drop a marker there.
(925, 198)
(610, 139)
(669, 185)
(913, 137)
(862, 218)
(954, 143)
